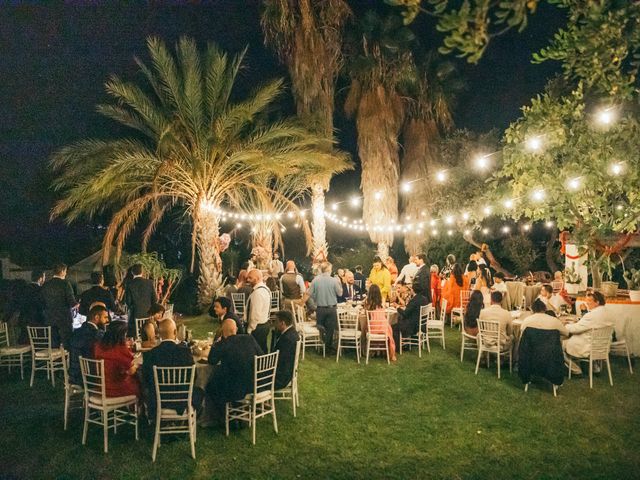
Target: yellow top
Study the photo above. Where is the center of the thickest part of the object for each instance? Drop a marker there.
(381, 278)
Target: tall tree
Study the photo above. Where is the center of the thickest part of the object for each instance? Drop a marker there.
(379, 61)
(192, 149)
(307, 36)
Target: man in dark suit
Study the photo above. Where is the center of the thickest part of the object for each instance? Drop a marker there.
(59, 300)
(233, 378)
(222, 308)
(84, 339)
(286, 345)
(409, 317)
(97, 293)
(168, 354)
(422, 278)
(30, 306)
(360, 280)
(139, 297)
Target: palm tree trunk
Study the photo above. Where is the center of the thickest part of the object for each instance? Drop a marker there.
(209, 262)
(378, 122)
(417, 162)
(319, 226)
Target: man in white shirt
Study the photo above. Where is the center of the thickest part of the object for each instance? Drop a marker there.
(276, 267)
(408, 271)
(258, 309)
(496, 313)
(598, 316)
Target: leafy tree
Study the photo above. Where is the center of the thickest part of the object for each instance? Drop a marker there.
(521, 252)
(191, 149)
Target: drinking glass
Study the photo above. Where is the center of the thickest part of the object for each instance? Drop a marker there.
(210, 338)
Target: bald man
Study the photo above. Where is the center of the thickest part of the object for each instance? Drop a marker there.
(291, 285)
(258, 308)
(233, 356)
(169, 353)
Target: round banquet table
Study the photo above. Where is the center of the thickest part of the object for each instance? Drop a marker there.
(516, 290)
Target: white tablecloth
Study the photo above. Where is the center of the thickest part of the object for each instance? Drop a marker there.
(627, 323)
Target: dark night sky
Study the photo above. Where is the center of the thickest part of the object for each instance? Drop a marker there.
(55, 61)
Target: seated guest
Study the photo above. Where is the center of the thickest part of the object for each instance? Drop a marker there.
(400, 295)
(349, 290)
(474, 307)
(272, 284)
(83, 340)
(546, 292)
(149, 332)
(119, 370)
(579, 344)
(496, 312)
(233, 378)
(169, 353)
(223, 309)
(359, 279)
(286, 345)
(409, 317)
(542, 321)
(97, 293)
(498, 283)
(373, 304)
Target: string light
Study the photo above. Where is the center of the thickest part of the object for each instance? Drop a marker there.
(549, 224)
(449, 232)
(485, 231)
(538, 195)
(574, 183)
(449, 220)
(465, 216)
(534, 144)
(441, 176)
(606, 116)
(355, 201)
(238, 225)
(486, 210)
(334, 207)
(405, 187)
(526, 227)
(619, 206)
(377, 195)
(617, 168)
(505, 229)
(482, 162)
(508, 203)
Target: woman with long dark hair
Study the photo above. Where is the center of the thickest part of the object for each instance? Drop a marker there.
(119, 370)
(454, 285)
(373, 305)
(476, 303)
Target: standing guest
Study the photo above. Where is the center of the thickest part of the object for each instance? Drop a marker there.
(84, 339)
(291, 285)
(31, 306)
(452, 288)
(324, 291)
(496, 312)
(408, 272)
(233, 377)
(472, 270)
(483, 255)
(381, 277)
(59, 300)
(476, 303)
(469, 267)
(374, 304)
(119, 370)
(169, 353)
(423, 276)
(276, 268)
(286, 345)
(258, 309)
(349, 290)
(448, 266)
(360, 279)
(230, 287)
(242, 285)
(409, 317)
(150, 332)
(484, 283)
(252, 263)
(436, 286)
(222, 308)
(392, 267)
(140, 294)
(97, 293)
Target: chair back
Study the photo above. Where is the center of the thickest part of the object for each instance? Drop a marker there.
(174, 386)
(464, 299)
(140, 326)
(347, 320)
(299, 314)
(169, 310)
(600, 343)
(239, 302)
(489, 334)
(40, 339)
(443, 309)
(377, 322)
(427, 313)
(275, 301)
(93, 378)
(296, 360)
(265, 372)
(557, 286)
(4, 334)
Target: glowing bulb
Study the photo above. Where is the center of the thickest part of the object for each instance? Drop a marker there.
(282, 229)
(538, 195)
(605, 117)
(434, 232)
(548, 224)
(574, 184)
(449, 232)
(485, 231)
(334, 207)
(467, 232)
(290, 215)
(377, 195)
(449, 220)
(238, 225)
(619, 206)
(508, 203)
(419, 232)
(482, 162)
(296, 225)
(486, 210)
(432, 223)
(355, 201)
(303, 213)
(534, 144)
(505, 229)
(526, 227)
(405, 187)
(616, 168)
(441, 176)
(465, 216)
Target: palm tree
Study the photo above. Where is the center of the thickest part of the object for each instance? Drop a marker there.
(192, 149)
(378, 59)
(307, 36)
(429, 98)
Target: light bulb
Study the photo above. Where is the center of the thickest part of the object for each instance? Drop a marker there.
(487, 210)
(526, 227)
(485, 231)
(449, 220)
(605, 116)
(574, 184)
(441, 176)
(534, 144)
(482, 162)
(405, 187)
(538, 195)
(508, 203)
(334, 207)
(355, 201)
(377, 195)
(506, 229)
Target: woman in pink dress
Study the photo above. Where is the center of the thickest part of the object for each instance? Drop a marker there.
(373, 304)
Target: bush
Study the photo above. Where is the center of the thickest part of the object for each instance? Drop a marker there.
(520, 252)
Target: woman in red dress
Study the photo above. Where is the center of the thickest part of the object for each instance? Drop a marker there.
(119, 370)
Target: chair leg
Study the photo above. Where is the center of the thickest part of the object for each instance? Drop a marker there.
(420, 340)
(386, 350)
(555, 390)
(462, 350)
(53, 373)
(273, 413)
(135, 412)
(192, 435)
(526, 387)
(293, 401)
(86, 425)
(156, 437)
(304, 347)
(443, 347)
(226, 419)
(609, 370)
(478, 361)
(590, 373)
(358, 350)
(629, 360)
(105, 430)
(367, 352)
(570, 369)
(22, 365)
(510, 361)
(33, 371)
(66, 407)
(498, 355)
(253, 424)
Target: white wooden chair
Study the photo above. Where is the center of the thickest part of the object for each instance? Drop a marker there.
(434, 329)
(489, 342)
(109, 412)
(443, 310)
(420, 338)
(174, 389)
(458, 312)
(468, 342)
(262, 401)
(557, 286)
(619, 347)
(290, 392)
(168, 312)
(599, 350)
(349, 334)
(140, 326)
(275, 301)
(309, 332)
(12, 356)
(43, 356)
(73, 394)
(239, 303)
(377, 325)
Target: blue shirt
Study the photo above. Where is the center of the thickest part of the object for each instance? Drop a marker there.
(325, 290)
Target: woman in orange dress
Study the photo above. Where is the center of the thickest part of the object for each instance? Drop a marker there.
(373, 304)
(455, 284)
(393, 268)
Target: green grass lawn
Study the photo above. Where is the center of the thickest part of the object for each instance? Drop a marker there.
(419, 418)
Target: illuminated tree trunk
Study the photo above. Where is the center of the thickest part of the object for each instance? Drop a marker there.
(262, 243)
(209, 262)
(319, 226)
